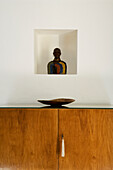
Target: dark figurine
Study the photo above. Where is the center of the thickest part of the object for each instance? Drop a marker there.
(57, 66)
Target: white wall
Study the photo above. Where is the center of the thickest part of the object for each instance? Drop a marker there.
(93, 19)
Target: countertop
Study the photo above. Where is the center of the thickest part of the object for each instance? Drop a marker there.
(68, 106)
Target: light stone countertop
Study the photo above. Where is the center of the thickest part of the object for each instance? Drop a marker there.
(68, 106)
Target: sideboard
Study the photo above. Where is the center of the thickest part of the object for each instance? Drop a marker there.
(31, 138)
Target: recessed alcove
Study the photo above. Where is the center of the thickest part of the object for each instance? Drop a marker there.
(44, 43)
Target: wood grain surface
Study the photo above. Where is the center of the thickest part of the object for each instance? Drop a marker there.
(88, 136)
(28, 139)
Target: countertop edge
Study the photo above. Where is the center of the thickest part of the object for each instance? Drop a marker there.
(63, 107)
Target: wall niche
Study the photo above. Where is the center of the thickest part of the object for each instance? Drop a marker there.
(46, 40)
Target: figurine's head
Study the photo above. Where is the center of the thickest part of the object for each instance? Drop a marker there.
(57, 53)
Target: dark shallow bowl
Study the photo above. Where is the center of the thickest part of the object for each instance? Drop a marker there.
(56, 102)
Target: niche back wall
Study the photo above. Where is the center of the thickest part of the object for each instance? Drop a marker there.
(93, 20)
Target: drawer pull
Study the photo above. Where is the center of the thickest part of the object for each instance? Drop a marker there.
(63, 147)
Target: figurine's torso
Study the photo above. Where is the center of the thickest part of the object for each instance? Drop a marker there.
(55, 67)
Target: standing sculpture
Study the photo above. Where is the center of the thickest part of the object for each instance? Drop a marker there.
(57, 66)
